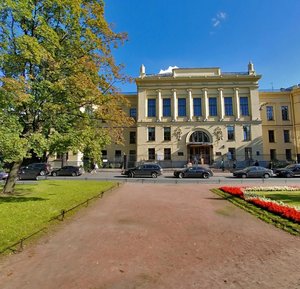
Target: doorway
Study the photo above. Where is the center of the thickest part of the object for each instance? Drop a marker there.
(199, 154)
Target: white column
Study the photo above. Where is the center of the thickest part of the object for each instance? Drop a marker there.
(221, 103)
(159, 105)
(237, 102)
(190, 106)
(175, 113)
(206, 108)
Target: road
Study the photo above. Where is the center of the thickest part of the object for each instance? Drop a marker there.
(218, 178)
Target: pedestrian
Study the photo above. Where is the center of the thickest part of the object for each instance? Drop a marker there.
(222, 165)
(256, 163)
(234, 164)
(94, 168)
(271, 165)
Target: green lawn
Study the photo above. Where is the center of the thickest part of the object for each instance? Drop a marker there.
(35, 204)
(290, 198)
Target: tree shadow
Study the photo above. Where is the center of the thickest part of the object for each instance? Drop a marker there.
(19, 199)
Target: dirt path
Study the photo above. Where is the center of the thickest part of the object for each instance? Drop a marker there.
(158, 236)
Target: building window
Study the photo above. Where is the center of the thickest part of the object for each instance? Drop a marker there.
(151, 154)
(213, 109)
(286, 136)
(132, 156)
(230, 132)
(197, 106)
(248, 153)
(285, 112)
(167, 133)
(270, 113)
(271, 136)
(167, 154)
(228, 106)
(273, 155)
(118, 155)
(166, 107)
(104, 154)
(244, 106)
(181, 107)
(247, 132)
(199, 137)
(231, 154)
(132, 113)
(132, 137)
(288, 154)
(151, 107)
(151, 133)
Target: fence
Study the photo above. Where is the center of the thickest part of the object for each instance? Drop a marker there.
(215, 161)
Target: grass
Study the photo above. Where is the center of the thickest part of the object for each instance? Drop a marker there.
(282, 223)
(35, 204)
(290, 198)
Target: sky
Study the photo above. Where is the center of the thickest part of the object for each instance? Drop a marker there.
(209, 33)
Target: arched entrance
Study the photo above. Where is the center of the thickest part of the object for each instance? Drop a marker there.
(199, 147)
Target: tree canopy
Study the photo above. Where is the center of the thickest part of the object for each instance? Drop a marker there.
(57, 78)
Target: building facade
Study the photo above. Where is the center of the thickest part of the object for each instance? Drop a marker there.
(206, 116)
(200, 115)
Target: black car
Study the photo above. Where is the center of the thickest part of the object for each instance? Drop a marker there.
(28, 173)
(289, 171)
(254, 172)
(67, 171)
(144, 170)
(42, 168)
(194, 172)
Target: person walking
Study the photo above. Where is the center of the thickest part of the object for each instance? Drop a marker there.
(94, 168)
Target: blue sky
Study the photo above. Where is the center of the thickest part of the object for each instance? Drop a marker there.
(209, 33)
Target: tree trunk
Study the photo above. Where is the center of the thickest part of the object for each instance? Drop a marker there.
(9, 187)
(64, 160)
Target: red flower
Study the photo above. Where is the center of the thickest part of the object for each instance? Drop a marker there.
(273, 207)
(235, 191)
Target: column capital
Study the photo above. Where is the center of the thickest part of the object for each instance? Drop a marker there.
(220, 89)
(236, 89)
(158, 90)
(204, 89)
(189, 90)
(173, 89)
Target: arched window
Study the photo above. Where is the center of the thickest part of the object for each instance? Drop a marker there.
(199, 136)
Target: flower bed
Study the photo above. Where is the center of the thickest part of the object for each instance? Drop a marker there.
(272, 206)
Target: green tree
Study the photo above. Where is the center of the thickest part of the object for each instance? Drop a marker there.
(57, 80)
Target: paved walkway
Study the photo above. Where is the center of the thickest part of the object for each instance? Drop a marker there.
(158, 236)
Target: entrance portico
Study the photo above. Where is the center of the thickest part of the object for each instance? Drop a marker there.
(199, 147)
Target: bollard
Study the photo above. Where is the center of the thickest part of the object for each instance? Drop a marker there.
(21, 244)
(63, 214)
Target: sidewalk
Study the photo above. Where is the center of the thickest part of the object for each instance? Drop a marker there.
(158, 236)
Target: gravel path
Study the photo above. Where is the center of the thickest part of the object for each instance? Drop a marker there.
(158, 236)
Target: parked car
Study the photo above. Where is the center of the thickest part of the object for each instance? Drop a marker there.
(42, 168)
(144, 170)
(3, 175)
(28, 173)
(254, 172)
(67, 171)
(289, 171)
(194, 172)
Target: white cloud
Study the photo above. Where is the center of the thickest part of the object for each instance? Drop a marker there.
(168, 70)
(218, 19)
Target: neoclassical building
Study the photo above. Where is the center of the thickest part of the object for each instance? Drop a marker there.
(194, 114)
(205, 115)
